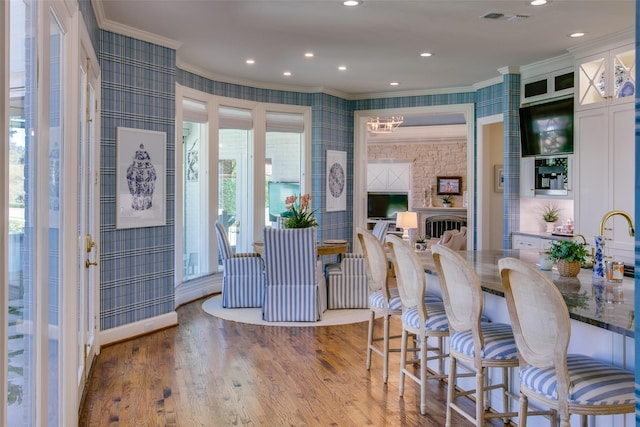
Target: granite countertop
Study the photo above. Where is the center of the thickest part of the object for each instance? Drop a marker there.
(585, 299)
(545, 235)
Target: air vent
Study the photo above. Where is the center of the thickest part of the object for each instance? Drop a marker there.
(517, 18)
(493, 15)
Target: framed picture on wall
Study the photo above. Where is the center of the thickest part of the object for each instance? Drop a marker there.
(140, 178)
(336, 181)
(449, 185)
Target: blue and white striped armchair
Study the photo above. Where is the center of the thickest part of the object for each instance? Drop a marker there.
(348, 280)
(243, 277)
(295, 285)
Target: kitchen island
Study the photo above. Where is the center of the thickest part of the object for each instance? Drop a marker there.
(601, 329)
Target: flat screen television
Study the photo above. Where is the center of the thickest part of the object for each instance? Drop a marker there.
(547, 129)
(386, 205)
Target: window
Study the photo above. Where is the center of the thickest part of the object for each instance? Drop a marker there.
(258, 151)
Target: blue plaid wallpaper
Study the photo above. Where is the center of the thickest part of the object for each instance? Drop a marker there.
(511, 104)
(136, 264)
(138, 91)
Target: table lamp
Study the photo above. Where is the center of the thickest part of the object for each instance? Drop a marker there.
(406, 220)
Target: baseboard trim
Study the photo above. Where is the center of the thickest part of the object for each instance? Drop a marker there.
(143, 327)
(196, 289)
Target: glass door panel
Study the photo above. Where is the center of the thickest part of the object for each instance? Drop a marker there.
(195, 200)
(235, 177)
(20, 344)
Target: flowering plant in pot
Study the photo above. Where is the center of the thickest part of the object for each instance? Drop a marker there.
(569, 255)
(421, 243)
(299, 213)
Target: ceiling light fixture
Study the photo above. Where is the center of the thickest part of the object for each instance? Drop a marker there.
(575, 35)
(342, 68)
(351, 3)
(377, 125)
(250, 61)
(394, 84)
(287, 73)
(538, 2)
(308, 55)
(426, 54)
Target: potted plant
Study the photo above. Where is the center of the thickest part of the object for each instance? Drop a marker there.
(569, 255)
(550, 216)
(421, 243)
(447, 199)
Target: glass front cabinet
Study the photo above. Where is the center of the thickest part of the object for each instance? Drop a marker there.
(606, 78)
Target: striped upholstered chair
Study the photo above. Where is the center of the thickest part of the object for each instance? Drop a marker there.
(474, 343)
(348, 280)
(295, 285)
(243, 277)
(566, 383)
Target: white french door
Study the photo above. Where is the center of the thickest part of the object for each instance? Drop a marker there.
(88, 227)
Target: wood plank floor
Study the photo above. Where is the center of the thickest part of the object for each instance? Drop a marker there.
(211, 372)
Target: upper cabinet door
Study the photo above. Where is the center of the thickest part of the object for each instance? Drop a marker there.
(606, 78)
(389, 177)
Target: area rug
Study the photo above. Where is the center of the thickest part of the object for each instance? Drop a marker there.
(213, 306)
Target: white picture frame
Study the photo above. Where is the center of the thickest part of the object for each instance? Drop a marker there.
(336, 190)
(140, 178)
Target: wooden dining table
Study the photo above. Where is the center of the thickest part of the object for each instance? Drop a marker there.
(328, 247)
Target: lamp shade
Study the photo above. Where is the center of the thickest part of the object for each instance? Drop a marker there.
(407, 220)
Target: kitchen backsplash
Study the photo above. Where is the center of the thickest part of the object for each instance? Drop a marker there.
(531, 213)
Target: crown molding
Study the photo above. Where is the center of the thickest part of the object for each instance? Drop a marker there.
(604, 43)
(125, 30)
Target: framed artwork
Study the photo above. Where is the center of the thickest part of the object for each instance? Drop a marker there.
(449, 185)
(140, 178)
(498, 178)
(336, 181)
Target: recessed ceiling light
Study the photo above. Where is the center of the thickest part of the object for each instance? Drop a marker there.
(538, 2)
(351, 3)
(576, 35)
(287, 73)
(308, 55)
(426, 54)
(342, 68)
(250, 61)
(394, 83)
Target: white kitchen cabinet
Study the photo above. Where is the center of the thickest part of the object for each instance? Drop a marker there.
(527, 177)
(605, 151)
(389, 177)
(605, 78)
(525, 242)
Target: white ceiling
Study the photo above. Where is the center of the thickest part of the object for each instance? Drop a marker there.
(379, 41)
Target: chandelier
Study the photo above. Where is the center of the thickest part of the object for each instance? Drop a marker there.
(384, 124)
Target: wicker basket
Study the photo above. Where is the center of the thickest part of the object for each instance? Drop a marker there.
(568, 268)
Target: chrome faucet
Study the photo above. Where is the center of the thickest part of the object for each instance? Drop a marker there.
(632, 231)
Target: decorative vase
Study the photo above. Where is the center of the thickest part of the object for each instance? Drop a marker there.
(568, 268)
(141, 178)
(550, 227)
(598, 259)
(421, 246)
(446, 205)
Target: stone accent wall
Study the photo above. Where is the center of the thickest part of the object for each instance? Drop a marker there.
(429, 160)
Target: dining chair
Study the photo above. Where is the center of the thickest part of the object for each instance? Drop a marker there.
(295, 288)
(347, 287)
(567, 383)
(423, 320)
(243, 274)
(475, 345)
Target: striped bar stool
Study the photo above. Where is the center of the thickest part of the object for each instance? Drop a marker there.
(567, 383)
(474, 344)
(424, 320)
